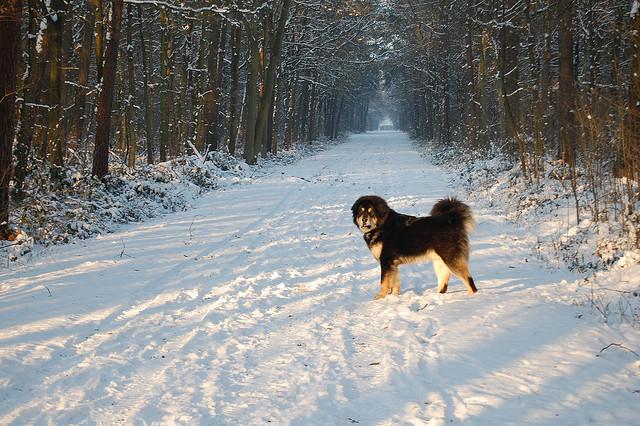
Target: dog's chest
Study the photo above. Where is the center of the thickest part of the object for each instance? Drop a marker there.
(376, 249)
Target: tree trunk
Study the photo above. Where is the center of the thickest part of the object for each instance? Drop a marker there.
(537, 110)
(338, 117)
(445, 90)
(252, 95)
(311, 132)
(105, 98)
(132, 138)
(32, 92)
(272, 129)
(566, 94)
(222, 49)
(211, 94)
(56, 22)
(509, 72)
(632, 131)
(99, 36)
(234, 91)
(483, 74)
(303, 112)
(76, 133)
(291, 108)
(166, 54)
(148, 105)
(269, 81)
(10, 15)
(472, 109)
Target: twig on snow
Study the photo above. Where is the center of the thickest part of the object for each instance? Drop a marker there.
(191, 226)
(124, 247)
(425, 305)
(621, 346)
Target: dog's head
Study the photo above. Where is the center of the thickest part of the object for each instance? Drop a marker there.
(369, 213)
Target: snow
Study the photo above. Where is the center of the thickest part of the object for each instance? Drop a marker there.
(257, 306)
(634, 9)
(84, 207)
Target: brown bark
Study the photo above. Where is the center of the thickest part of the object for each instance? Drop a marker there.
(56, 28)
(266, 102)
(10, 15)
(105, 98)
(632, 131)
(234, 91)
(32, 93)
(210, 124)
(132, 137)
(148, 110)
(566, 94)
(76, 133)
(311, 125)
(510, 41)
(472, 109)
(99, 35)
(166, 74)
(252, 95)
(291, 107)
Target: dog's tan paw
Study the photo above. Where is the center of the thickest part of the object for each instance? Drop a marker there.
(380, 296)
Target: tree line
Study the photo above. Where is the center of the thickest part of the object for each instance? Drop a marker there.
(541, 79)
(91, 83)
(85, 84)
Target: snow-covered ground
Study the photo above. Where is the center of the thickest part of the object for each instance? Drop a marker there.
(257, 307)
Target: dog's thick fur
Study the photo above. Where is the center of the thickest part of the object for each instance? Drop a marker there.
(395, 239)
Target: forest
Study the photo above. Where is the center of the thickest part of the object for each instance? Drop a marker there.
(98, 88)
(178, 238)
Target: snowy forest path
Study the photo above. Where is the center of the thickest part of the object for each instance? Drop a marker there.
(257, 307)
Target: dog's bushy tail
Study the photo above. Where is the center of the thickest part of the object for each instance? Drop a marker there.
(456, 212)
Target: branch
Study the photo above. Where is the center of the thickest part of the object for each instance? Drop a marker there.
(619, 345)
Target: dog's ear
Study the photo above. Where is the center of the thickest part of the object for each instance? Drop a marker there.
(355, 207)
(382, 209)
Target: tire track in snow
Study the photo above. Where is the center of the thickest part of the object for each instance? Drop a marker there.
(168, 308)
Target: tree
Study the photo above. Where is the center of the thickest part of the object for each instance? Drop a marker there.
(78, 118)
(566, 94)
(105, 99)
(56, 26)
(269, 81)
(10, 17)
(632, 132)
(148, 110)
(233, 94)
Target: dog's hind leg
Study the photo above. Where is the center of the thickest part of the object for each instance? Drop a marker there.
(443, 273)
(461, 270)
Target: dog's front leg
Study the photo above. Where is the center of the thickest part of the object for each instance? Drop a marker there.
(387, 275)
(395, 280)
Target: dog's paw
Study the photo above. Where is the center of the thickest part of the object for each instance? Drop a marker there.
(380, 296)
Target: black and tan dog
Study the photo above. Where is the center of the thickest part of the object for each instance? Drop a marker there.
(395, 239)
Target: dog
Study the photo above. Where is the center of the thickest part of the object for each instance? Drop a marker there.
(395, 239)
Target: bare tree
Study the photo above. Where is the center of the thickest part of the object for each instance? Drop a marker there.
(10, 17)
(105, 99)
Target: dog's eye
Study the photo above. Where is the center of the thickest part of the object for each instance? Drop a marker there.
(361, 209)
(370, 210)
